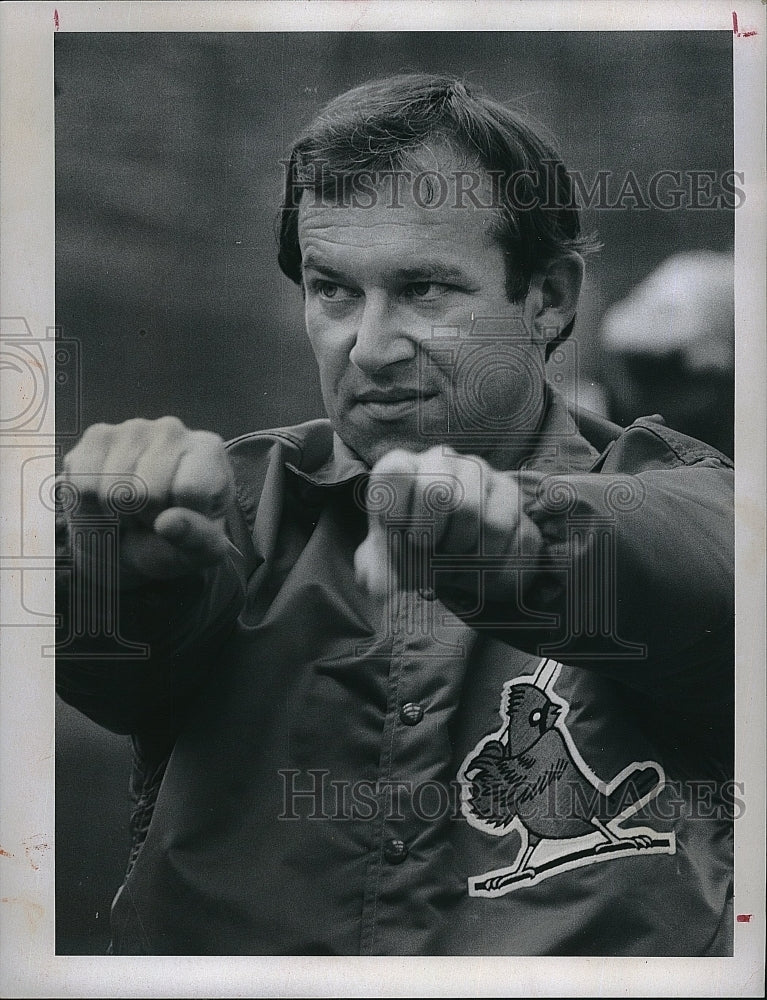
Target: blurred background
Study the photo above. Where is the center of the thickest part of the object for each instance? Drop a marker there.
(168, 179)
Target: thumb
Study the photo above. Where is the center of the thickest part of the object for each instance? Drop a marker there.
(371, 561)
(202, 540)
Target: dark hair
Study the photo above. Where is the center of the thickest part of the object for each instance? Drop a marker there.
(377, 126)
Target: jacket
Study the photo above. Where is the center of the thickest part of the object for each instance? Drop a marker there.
(317, 775)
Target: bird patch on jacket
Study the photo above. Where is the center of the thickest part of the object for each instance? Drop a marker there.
(529, 778)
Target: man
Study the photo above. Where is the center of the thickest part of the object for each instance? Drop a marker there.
(451, 671)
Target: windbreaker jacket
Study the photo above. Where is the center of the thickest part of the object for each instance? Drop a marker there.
(316, 773)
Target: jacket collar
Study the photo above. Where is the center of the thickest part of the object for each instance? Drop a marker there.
(559, 448)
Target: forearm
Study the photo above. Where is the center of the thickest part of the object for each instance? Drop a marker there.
(138, 672)
(633, 574)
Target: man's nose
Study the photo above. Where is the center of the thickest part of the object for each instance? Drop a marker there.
(381, 338)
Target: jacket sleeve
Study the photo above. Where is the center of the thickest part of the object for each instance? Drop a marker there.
(636, 576)
(131, 660)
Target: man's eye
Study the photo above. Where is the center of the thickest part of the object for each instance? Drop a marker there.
(426, 290)
(332, 292)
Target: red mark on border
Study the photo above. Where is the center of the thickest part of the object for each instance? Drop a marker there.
(744, 918)
(30, 846)
(56, 20)
(736, 32)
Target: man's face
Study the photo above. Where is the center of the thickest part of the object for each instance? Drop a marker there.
(415, 337)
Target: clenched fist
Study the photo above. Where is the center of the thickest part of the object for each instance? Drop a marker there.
(440, 508)
(185, 485)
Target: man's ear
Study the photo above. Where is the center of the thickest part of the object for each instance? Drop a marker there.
(553, 296)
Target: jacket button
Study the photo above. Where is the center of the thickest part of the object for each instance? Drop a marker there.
(410, 713)
(395, 851)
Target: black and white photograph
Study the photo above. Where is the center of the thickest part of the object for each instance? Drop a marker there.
(385, 432)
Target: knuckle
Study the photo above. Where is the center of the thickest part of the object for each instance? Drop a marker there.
(135, 425)
(207, 440)
(170, 425)
(216, 495)
(96, 433)
(435, 461)
(129, 436)
(395, 461)
(88, 454)
(69, 460)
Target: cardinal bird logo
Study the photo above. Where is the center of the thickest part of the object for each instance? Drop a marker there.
(528, 777)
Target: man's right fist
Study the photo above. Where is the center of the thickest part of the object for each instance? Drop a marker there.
(187, 482)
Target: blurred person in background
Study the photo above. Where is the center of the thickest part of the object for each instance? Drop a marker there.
(669, 346)
(446, 672)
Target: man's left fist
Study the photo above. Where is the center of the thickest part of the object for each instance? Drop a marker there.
(452, 506)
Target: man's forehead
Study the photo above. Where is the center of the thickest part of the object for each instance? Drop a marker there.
(403, 217)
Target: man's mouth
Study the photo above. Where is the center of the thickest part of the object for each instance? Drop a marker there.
(387, 395)
(390, 404)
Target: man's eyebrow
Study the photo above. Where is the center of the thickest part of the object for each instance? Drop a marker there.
(432, 269)
(424, 270)
(316, 264)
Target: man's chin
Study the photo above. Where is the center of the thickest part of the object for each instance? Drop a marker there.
(372, 443)
(374, 428)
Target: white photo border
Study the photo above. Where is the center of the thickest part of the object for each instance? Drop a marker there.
(28, 962)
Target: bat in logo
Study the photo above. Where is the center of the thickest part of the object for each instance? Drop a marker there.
(529, 776)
